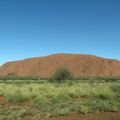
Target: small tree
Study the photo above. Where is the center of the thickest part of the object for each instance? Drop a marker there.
(61, 75)
(12, 74)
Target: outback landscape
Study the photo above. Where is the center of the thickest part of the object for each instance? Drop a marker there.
(60, 87)
(59, 59)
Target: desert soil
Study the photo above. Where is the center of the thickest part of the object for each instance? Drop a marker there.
(96, 116)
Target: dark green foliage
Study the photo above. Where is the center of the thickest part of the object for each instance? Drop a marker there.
(92, 105)
(61, 75)
(116, 88)
(14, 78)
(12, 74)
(103, 97)
(20, 78)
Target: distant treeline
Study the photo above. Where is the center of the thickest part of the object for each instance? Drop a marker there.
(98, 78)
(22, 78)
(38, 78)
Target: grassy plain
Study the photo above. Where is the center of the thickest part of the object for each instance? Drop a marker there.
(45, 100)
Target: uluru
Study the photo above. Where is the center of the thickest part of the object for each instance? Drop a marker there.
(78, 64)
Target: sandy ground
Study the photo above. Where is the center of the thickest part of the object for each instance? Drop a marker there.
(97, 116)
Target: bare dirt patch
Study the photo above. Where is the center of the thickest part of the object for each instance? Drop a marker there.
(96, 116)
(6, 103)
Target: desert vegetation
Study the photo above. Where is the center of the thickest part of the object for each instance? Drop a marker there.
(60, 95)
(47, 100)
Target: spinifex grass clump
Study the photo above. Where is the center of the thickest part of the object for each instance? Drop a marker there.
(93, 105)
(115, 88)
(16, 96)
(53, 99)
(15, 112)
(57, 91)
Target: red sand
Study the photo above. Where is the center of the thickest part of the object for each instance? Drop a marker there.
(79, 64)
(97, 116)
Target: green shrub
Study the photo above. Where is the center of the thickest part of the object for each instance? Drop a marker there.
(84, 109)
(16, 112)
(62, 112)
(60, 99)
(61, 75)
(16, 96)
(102, 105)
(103, 96)
(116, 88)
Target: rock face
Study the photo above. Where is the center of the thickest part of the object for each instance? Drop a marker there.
(78, 64)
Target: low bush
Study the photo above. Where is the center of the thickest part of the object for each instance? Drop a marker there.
(61, 75)
(116, 88)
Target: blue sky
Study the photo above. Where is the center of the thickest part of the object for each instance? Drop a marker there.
(30, 28)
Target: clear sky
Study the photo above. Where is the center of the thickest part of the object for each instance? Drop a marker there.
(30, 28)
